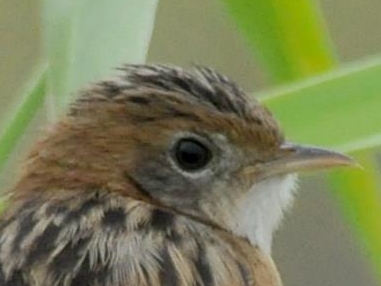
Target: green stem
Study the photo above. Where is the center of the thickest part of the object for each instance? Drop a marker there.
(288, 37)
(16, 125)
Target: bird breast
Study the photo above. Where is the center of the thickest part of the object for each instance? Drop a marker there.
(100, 238)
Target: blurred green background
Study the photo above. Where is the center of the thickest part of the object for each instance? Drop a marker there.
(315, 246)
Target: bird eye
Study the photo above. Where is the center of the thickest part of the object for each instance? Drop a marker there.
(191, 155)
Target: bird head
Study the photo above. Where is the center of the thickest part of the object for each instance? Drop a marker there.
(191, 142)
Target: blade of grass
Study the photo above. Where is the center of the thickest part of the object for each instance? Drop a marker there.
(339, 109)
(58, 31)
(16, 124)
(292, 42)
(288, 37)
(355, 190)
(83, 40)
(86, 39)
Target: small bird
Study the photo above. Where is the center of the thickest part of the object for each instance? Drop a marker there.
(159, 176)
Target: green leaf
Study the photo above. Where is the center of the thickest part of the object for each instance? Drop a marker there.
(288, 37)
(86, 39)
(340, 109)
(357, 192)
(19, 120)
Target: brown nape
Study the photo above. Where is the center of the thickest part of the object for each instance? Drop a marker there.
(81, 152)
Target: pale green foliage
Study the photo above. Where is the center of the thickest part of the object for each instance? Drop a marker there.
(339, 109)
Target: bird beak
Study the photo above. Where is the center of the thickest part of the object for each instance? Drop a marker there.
(291, 158)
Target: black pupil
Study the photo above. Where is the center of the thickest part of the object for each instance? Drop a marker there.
(191, 155)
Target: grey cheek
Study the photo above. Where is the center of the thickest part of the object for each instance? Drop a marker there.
(163, 183)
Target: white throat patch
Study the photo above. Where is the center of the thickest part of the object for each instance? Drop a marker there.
(259, 213)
